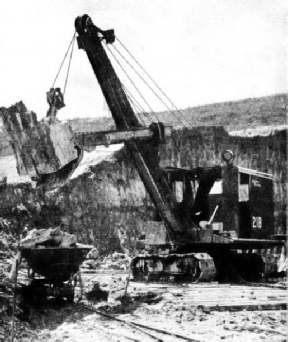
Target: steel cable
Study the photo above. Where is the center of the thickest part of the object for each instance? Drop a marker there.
(61, 65)
(164, 152)
(146, 73)
(68, 70)
(182, 155)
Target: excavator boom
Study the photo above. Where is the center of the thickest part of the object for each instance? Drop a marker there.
(145, 156)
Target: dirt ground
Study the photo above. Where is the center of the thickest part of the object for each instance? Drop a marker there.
(175, 312)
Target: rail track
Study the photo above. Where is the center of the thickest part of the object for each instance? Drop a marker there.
(201, 307)
(207, 299)
(135, 331)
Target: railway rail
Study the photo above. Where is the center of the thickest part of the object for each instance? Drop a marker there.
(159, 335)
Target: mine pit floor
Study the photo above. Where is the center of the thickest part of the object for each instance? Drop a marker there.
(161, 312)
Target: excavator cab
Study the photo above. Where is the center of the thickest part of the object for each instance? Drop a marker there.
(231, 201)
(191, 189)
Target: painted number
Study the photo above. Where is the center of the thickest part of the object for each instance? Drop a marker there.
(256, 222)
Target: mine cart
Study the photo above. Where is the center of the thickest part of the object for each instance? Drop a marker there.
(56, 270)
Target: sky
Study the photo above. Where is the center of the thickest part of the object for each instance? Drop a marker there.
(197, 51)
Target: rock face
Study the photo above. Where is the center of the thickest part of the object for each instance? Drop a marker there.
(107, 205)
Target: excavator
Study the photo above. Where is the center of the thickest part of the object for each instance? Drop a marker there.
(211, 223)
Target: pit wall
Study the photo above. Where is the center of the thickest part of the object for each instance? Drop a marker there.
(109, 207)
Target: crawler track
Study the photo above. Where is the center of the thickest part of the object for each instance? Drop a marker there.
(235, 265)
(191, 267)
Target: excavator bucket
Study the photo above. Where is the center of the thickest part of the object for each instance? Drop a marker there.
(43, 151)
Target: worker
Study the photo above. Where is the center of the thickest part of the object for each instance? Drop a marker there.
(58, 99)
(50, 100)
(55, 100)
(49, 96)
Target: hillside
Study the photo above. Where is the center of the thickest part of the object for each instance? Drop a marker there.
(255, 116)
(255, 113)
(237, 115)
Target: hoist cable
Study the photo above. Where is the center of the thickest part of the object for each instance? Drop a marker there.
(131, 96)
(164, 152)
(137, 105)
(183, 156)
(71, 42)
(132, 82)
(158, 96)
(134, 105)
(138, 74)
(139, 117)
(158, 87)
(68, 70)
(171, 111)
(135, 60)
(134, 85)
(193, 224)
(208, 153)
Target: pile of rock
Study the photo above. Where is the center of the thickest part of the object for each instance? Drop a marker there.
(115, 261)
(51, 237)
